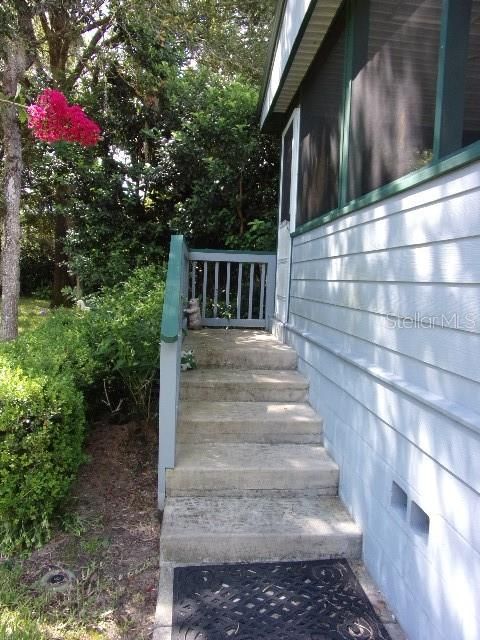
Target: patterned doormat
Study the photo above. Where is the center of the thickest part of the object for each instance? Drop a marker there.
(320, 600)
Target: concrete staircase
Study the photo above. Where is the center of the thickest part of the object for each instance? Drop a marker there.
(253, 481)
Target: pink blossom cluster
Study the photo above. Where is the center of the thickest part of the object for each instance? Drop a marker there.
(52, 119)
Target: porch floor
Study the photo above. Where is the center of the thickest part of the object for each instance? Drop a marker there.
(253, 482)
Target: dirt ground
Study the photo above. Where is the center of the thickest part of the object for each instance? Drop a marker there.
(111, 540)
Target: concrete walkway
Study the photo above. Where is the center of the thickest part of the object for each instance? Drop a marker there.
(253, 482)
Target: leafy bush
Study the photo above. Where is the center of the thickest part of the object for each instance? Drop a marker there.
(57, 347)
(123, 331)
(44, 376)
(222, 169)
(261, 236)
(42, 425)
(115, 345)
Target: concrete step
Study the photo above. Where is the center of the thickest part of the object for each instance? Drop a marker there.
(242, 350)
(261, 529)
(252, 469)
(261, 422)
(244, 386)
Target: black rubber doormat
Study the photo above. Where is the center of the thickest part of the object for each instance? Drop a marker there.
(320, 600)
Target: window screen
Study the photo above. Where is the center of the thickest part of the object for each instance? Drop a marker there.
(286, 174)
(393, 91)
(320, 128)
(471, 122)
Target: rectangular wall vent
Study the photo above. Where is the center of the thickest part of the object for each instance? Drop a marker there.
(419, 520)
(399, 500)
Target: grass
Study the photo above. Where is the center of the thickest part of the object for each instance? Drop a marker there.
(17, 622)
(30, 314)
(28, 614)
(107, 537)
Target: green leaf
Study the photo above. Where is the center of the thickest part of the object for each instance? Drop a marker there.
(22, 115)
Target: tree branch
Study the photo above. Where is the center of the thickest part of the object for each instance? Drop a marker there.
(85, 57)
(95, 24)
(45, 26)
(25, 18)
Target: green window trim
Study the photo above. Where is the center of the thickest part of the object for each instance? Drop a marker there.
(421, 176)
(448, 114)
(451, 77)
(347, 105)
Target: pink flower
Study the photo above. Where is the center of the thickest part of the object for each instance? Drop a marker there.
(52, 119)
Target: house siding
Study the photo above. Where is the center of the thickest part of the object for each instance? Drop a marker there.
(402, 404)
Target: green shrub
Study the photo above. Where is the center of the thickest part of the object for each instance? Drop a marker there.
(43, 378)
(57, 347)
(124, 333)
(42, 424)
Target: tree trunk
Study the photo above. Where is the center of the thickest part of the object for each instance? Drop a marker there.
(61, 277)
(10, 262)
(59, 37)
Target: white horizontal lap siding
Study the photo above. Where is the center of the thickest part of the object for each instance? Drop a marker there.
(446, 262)
(371, 453)
(295, 12)
(402, 404)
(444, 492)
(448, 218)
(413, 258)
(401, 351)
(430, 300)
(456, 448)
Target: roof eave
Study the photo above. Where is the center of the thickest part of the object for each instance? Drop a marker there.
(312, 26)
(272, 46)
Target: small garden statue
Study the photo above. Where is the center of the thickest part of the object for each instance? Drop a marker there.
(82, 306)
(194, 315)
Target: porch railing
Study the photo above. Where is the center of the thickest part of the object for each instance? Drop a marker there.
(176, 290)
(236, 289)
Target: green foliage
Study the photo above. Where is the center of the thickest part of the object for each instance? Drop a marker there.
(114, 346)
(261, 236)
(123, 331)
(8, 23)
(31, 313)
(231, 36)
(44, 378)
(187, 360)
(226, 170)
(111, 232)
(174, 86)
(42, 421)
(58, 347)
(42, 425)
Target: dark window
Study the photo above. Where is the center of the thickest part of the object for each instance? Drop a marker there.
(471, 122)
(287, 173)
(320, 128)
(393, 90)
